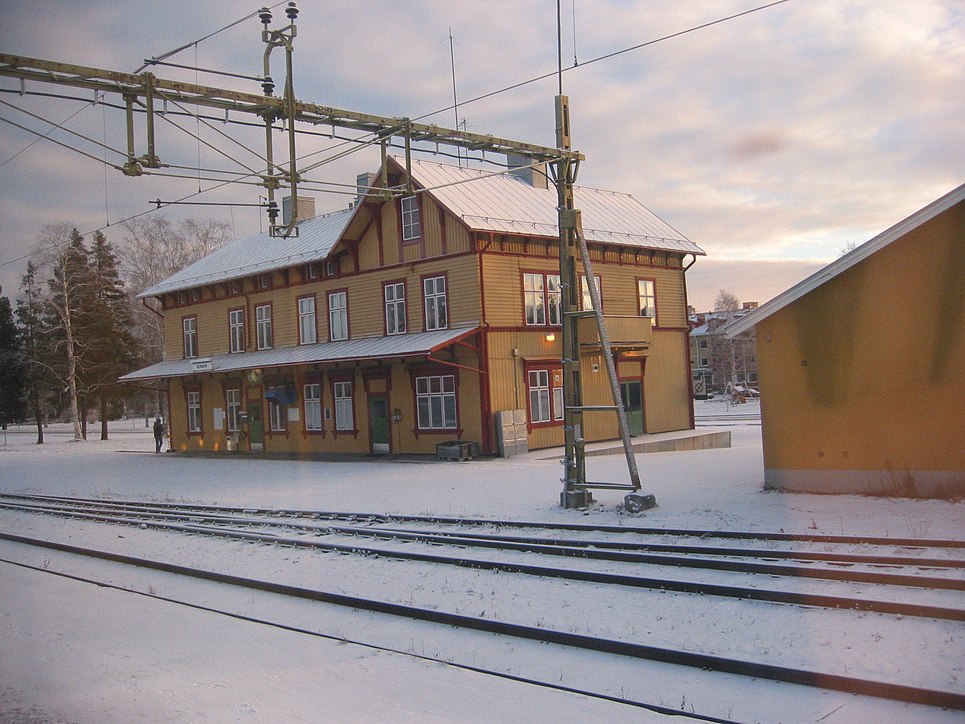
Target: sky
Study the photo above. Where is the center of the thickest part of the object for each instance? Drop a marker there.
(774, 140)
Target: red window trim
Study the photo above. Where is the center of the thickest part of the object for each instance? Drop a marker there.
(244, 328)
(346, 376)
(552, 367)
(522, 288)
(313, 378)
(422, 287)
(298, 321)
(656, 307)
(405, 299)
(348, 315)
(422, 229)
(430, 370)
(197, 338)
(271, 319)
(187, 415)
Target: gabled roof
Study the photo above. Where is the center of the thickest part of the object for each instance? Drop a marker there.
(259, 253)
(402, 345)
(847, 261)
(483, 200)
(502, 203)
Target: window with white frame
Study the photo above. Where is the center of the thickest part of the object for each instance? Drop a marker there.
(307, 330)
(236, 330)
(232, 399)
(194, 411)
(338, 315)
(647, 299)
(411, 220)
(541, 298)
(189, 326)
(545, 395)
(436, 402)
(586, 300)
(263, 326)
(344, 411)
(395, 308)
(312, 395)
(434, 292)
(277, 414)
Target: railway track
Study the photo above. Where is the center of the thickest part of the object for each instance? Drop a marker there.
(895, 577)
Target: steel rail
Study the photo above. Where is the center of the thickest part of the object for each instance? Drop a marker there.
(541, 525)
(773, 672)
(196, 526)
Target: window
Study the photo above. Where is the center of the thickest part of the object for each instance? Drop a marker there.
(436, 402)
(337, 316)
(307, 333)
(194, 411)
(311, 272)
(236, 330)
(195, 295)
(277, 414)
(704, 362)
(586, 300)
(545, 395)
(647, 298)
(182, 298)
(313, 406)
(434, 292)
(264, 281)
(395, 308)
(541, 298)
(344, 413)
(411, 222)
(232, 399)
(263, 326)
(234, 287)
(189, 326)
(702, 344)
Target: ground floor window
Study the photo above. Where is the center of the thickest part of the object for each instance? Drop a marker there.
(233, 406)
(436, 402)
(194, 411)
(545, 395)
(344, 410)
(313, 406)
(277, 415)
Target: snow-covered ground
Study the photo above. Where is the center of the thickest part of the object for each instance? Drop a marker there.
(74, 652)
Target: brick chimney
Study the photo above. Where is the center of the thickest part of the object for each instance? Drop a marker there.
(535, 177)
(306, 209)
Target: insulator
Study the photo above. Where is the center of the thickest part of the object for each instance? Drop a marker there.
(291, 11)
(265, 15)
(272, 212)
(268, 85)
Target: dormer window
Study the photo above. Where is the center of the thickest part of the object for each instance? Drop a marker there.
(234, 287)
(411, 219)
(182, 298)
(311, 272)
(195, 295)
(331, 268)
(264, 281)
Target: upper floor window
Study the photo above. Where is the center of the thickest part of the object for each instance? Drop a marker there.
(436, 402)
(234, 287)
(647, 299)
(337, 315)
(195, 295)
(307, 331)
(264, 281)
(236, 330)
(189, 326)
(263, 326)
(434, 293)
(411, 219)
(541, 298)
(586, 299)
(395, 308)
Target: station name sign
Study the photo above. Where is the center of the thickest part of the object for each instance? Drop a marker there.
(202, 365)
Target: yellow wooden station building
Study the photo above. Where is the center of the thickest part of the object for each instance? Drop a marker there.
(420, 318)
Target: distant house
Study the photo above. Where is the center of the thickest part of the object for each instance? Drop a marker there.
(717, 360)
(414, 317)
(862, 365)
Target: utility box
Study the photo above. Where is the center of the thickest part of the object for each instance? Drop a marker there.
(512, 437)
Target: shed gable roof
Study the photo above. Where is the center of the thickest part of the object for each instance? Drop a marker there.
(838, 266)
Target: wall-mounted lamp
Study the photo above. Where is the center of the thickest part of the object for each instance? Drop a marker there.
(551, 336)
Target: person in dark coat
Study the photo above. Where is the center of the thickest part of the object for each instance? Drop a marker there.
(158, 435)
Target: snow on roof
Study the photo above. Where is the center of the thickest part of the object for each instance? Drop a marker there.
(499, 202)
(847, 261)
(401, 345)
(259, 253)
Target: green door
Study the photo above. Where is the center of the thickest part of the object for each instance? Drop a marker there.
(256, 426)
(379, 423)
(632, 394)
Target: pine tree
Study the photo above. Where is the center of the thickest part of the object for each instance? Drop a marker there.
(12, 368)
(33, 333)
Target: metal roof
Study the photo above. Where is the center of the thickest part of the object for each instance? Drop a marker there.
(260, 253)
(506, 204)
(401, 345)
(953, 197)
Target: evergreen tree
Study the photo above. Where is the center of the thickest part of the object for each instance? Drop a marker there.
(12, 368)
(33, 333)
